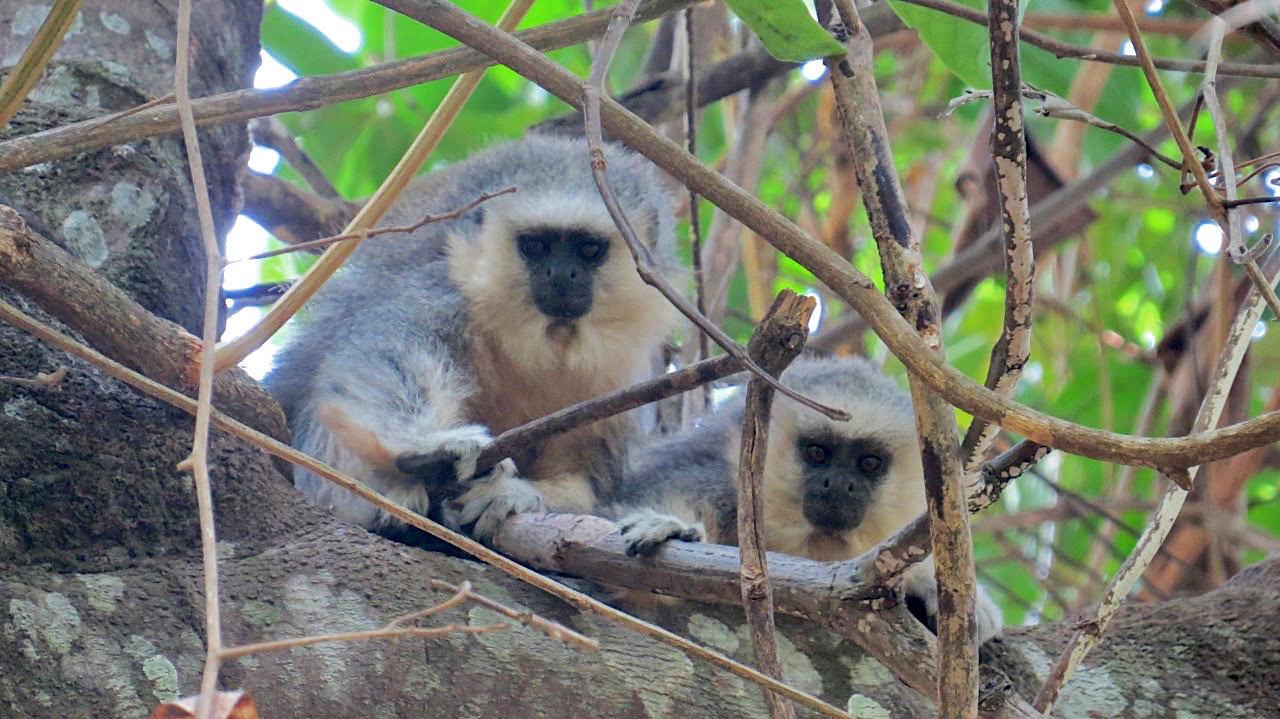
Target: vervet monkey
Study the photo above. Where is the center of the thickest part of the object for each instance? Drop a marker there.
(832, 490)
(414, 356)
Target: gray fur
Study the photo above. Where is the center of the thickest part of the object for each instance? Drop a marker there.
(388, 340)
(682, 486)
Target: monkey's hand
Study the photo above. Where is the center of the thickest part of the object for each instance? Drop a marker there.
(446, 467)
(491, 498)
(645, 530)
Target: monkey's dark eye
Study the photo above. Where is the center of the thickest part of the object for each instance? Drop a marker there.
(817, 455)
(870, 463)
(532, 247)
(591, 250)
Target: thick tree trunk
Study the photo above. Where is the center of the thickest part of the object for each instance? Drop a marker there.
(100, 589)
(86, 488)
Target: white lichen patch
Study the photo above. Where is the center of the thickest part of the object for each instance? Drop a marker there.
(132, 204)
(863, 707)
(85, 238)
(157, 668)
(59, 86)
(311, 602)
(114, 22)
(117, 72)
(866, 672)
(713, 633)
(651, 670)
(28, 19)
(1034, 657)
(159, 46)
(102, 591)
(51, 622)
(100, 665)
(224, 550)
(797, 667)
(22, 408)
(1091, 692)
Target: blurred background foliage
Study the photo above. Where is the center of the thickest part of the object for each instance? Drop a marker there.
(1106, 297)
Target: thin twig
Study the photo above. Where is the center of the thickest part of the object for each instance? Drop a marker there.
(578, 600)
(1060, 108)
(1261, 200)
(1090, 631)
(592, 91)
(26, 73)
(862, 122)
(509, 443)
(695, 220)
(838, 274)
(232, 353)
(198, 461)
(366, 234)
(385, 633)
(396, 629)
(1063, 49)
(1189, 162)
(42, 381)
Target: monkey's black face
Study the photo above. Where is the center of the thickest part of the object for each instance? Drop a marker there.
(562, 263)
(840, 478)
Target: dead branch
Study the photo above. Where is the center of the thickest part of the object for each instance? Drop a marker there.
(695, 217)
(114, 322)
(776, 342)
(44, 381)
(607, 405)
(383, 230)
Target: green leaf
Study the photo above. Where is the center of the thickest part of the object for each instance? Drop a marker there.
(786, 28)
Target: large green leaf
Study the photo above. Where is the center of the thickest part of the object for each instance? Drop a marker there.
(786, 28)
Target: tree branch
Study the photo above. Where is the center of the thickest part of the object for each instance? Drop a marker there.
(305, 93)
(1009, 152)
(777, 341)
(862, 123)
(114, 322)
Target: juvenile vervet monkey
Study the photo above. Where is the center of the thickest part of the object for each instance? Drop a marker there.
(832, 490)
(425, 346)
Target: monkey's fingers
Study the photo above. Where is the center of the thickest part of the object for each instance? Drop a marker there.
(643, 533)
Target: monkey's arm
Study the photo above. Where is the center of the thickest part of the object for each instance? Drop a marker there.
(375, 384)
